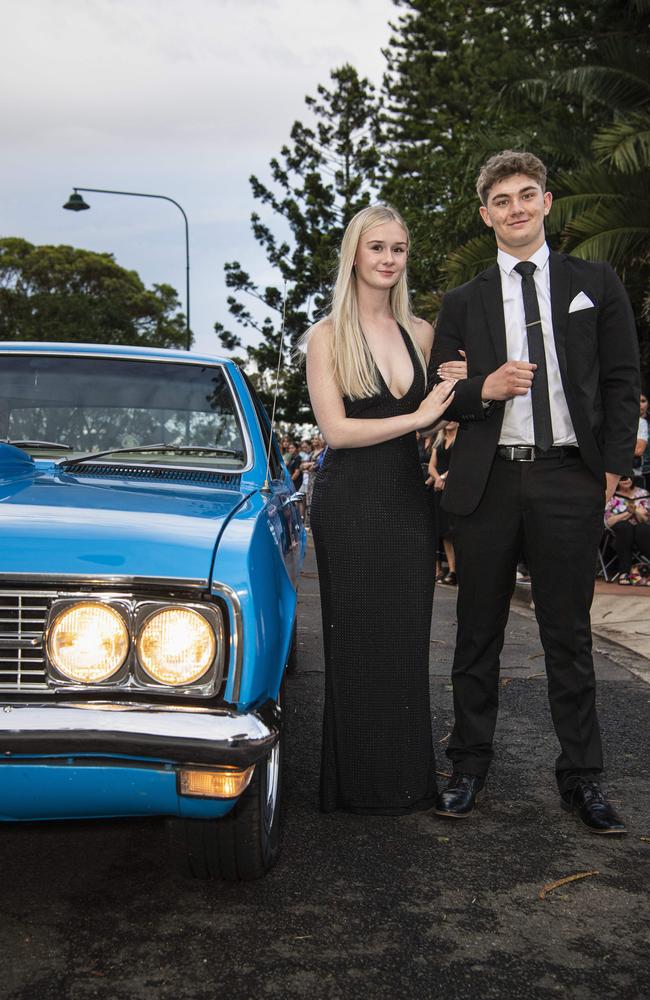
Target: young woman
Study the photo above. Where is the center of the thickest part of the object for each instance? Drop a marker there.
(373, 526)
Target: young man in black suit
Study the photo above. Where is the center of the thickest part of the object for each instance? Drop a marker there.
(548, 417)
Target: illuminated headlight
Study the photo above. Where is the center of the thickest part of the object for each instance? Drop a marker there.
(88, 642)
(176, 646)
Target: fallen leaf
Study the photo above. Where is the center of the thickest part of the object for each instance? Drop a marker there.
(442, 840)
(444, 738)
(646, 840)
(564, 881)
(505, 681)
(444, 774)
(531, 677)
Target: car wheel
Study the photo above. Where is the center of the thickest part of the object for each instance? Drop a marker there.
(292, 662)
(244, 844)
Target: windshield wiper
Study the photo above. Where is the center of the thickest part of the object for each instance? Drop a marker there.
(173, 449)
(19, 443)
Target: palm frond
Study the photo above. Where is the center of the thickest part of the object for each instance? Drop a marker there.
(571, 206)
(618, 88)
(618, 233)
(620, 80)
(596, 178)
(468, 260)
(549, 141)
(625, 144)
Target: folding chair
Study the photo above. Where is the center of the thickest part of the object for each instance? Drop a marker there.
(607, 566)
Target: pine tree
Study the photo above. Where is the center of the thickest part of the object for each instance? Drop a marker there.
(324, 176)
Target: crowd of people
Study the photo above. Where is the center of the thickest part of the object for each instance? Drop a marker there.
(302, 459)
(626, 516)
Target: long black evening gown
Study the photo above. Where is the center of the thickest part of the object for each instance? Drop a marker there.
(374, 533)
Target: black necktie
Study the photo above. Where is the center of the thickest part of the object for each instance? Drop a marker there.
(536, 356)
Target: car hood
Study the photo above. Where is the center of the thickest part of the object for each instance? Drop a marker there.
(57, 524)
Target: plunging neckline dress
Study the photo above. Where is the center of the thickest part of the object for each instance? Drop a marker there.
(374, 533)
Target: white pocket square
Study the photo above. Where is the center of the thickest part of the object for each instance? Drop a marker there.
(581, 301)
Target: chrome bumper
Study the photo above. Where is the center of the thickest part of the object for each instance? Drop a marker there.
(180, 734)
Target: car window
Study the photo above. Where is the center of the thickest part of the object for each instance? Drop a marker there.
(276, 464)
(90, 403)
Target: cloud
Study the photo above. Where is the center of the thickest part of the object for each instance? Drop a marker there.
(179, 98)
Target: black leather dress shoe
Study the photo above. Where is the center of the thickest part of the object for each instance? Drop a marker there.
(597, 814)
(458, 798)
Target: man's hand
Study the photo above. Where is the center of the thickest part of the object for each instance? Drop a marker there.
(612, 482)
(512, 379)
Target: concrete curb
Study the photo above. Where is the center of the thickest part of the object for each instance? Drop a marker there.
(622, 620)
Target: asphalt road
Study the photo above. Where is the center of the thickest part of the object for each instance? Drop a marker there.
(378, 907)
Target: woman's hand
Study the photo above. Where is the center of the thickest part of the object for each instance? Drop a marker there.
(615, 518)
(451, 371)
(641, 513)
(434, 405)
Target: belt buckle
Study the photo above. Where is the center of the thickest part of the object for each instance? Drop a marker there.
(528, 449)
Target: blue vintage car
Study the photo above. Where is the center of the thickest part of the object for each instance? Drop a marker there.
(150, 547)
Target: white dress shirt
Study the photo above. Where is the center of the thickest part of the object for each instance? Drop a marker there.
(517, 425)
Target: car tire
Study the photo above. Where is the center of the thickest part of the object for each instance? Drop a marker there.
(243, 845)
(292, 662)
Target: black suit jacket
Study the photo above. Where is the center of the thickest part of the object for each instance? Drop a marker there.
(597, 352)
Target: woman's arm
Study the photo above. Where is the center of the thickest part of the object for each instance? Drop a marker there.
(341, 431)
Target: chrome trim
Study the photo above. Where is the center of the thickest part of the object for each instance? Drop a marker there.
(214, 363)
(22, 628)
(195, 735)
(272, 786)
(185, 360)
(107, 580)
(236, 635)
(8, 642)
(297, 497)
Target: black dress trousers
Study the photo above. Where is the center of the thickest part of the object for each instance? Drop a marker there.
(554, 506)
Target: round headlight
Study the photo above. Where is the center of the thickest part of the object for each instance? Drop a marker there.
(88, 642)
(176, 646)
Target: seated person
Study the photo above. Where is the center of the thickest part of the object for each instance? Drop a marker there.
(627, 514)
(641, 441)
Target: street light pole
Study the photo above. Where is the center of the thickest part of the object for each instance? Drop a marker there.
(75, 203)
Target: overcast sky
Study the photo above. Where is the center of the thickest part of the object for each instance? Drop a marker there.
(184, 98)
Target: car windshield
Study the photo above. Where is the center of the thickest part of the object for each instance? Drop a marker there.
(66, 405)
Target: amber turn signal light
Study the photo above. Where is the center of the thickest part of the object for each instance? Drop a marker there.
(226, 783)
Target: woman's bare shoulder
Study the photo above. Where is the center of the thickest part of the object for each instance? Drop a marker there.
(320, 334)
(423, 332)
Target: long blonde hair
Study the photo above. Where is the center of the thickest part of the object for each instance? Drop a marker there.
(352, 363)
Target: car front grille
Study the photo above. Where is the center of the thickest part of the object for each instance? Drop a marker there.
(23, 615)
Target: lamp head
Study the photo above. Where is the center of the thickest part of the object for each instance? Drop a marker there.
(75, 203)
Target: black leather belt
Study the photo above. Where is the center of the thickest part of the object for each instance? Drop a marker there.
(529, 453)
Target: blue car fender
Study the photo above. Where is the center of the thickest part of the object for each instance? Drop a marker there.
(250, 559)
